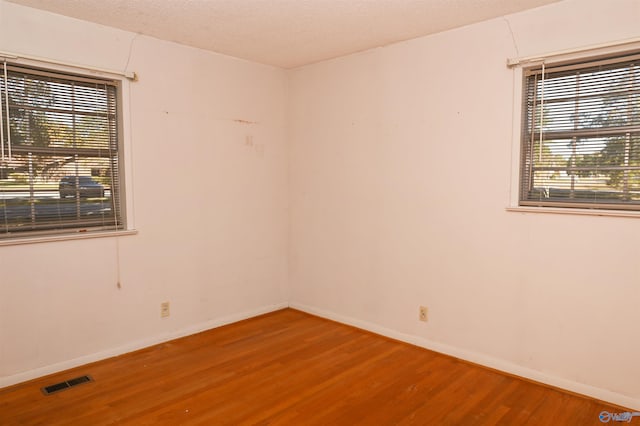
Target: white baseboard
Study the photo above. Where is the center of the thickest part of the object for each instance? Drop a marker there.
(134, 346)
(479, 358)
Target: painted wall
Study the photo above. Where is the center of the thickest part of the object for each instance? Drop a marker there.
(208, 192)
(400, 174)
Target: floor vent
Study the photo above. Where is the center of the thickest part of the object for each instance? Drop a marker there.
(48, 390)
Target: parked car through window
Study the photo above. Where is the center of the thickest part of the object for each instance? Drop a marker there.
(81, 187)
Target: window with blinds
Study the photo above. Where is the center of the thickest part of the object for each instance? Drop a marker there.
(59, 154)
(581, 135)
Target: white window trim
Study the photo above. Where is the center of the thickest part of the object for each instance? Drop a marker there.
(125, 79)
(66, 237)
(75, 68)
(517, 64)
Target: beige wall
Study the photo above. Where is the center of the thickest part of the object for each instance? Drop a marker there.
(210, 208)
(368, 185)
(400, 175)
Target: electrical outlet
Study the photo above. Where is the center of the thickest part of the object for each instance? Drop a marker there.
(423, 313)
(164, 309)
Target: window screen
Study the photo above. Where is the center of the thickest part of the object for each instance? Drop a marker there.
(581, 135)
(59, 156)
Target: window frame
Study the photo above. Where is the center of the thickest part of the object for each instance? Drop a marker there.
(122, 97)
(580, 57)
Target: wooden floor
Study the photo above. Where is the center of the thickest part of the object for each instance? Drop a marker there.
(290, 368)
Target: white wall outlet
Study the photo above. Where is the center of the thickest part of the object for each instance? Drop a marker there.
(164, 309)
(422, 315)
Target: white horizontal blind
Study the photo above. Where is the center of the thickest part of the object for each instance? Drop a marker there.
(581, 135)
(60, 157)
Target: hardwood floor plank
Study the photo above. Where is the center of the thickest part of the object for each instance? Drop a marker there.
(291, 368)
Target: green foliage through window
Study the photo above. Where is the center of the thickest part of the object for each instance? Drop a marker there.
(581, 135)
(59, 156)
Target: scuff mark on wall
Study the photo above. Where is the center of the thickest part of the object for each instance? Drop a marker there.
(258, 147)
(241, 121)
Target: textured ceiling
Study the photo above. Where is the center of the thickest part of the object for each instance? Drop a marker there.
(284, 33)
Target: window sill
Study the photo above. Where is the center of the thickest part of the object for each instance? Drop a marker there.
(66, 237)
(574, 211)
